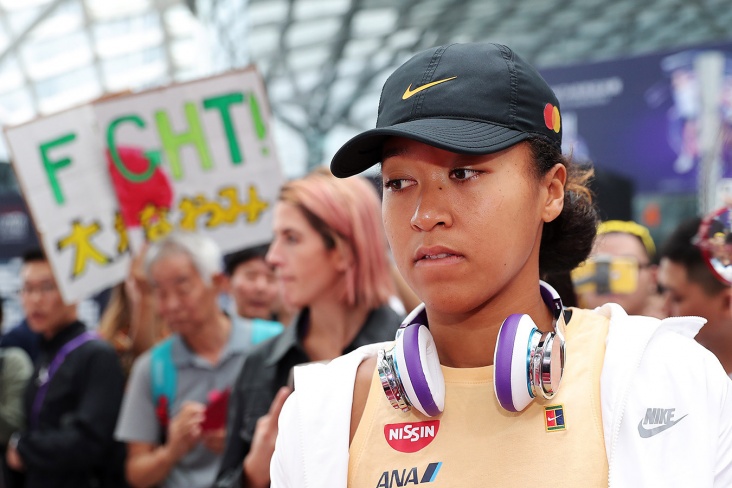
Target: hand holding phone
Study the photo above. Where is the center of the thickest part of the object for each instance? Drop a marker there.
(216, 410)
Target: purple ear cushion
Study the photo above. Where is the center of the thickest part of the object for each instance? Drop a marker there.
(502, 362)
(416, 371)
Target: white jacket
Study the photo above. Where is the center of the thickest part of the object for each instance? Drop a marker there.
(651, 367)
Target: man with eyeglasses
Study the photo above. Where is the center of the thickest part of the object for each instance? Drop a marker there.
(73, 398)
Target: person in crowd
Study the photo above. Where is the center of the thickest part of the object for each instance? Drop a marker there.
(479, 202)
(129, 321)
(621, 270)
(174, 410)
(691, 289)
(15, 370)
(73, 398)
(254, 289)
(329, 252)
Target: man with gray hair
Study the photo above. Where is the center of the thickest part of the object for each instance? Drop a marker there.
(173, 412)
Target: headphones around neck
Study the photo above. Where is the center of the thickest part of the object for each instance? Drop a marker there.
(527, 362)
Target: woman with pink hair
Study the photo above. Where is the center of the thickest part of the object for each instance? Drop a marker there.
(330, 255)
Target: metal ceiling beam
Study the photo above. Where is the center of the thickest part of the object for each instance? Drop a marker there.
(558, 29)
(18, 40)
(92, 39)
(167, 40)
(330, 70)
(28, 82)
(369, 73)
(279, 60)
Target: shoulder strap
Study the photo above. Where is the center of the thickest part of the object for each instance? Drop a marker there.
(56, 363)
(163, 379)
(264, 329)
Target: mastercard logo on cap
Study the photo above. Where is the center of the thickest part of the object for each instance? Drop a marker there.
(551, 118)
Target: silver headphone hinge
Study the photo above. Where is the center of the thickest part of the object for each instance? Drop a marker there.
(390, 381)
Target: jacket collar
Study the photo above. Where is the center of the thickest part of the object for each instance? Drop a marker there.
(292, 337)
(64, 335)
(184, 356)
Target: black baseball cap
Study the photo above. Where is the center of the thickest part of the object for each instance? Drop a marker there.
(476, 98)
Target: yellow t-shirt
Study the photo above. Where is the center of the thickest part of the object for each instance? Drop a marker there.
(474, 442)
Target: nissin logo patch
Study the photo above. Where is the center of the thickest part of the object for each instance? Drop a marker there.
(411, 437)
(409, 476)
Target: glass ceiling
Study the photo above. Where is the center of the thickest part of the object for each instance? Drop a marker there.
(55, 54)
(324, 61)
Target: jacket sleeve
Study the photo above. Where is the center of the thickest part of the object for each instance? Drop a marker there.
(85, 435)
(230, 471)
(667, 406)
(287, 462)
(16, 371)
(314, 424)
(723, 467)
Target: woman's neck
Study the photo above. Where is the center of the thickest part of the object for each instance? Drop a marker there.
(469, 340)
(332, 327)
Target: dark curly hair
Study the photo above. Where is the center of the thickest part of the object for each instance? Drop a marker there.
(567, 240)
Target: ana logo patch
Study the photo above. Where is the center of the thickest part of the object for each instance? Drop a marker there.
(554, 418)
(552, 119)
(411, 437)
(408, 476)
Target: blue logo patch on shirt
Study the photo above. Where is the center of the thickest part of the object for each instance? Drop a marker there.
(396, 478)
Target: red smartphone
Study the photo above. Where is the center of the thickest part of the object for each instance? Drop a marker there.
(218, 405)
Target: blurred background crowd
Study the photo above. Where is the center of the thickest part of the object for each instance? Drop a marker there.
(175, 374)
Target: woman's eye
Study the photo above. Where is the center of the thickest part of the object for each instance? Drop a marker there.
(463, 173)
(397, 184)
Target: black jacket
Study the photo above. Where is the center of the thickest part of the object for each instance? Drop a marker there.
(266, 369)
(72, 445)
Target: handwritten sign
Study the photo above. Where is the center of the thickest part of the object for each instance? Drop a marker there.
(193, 157)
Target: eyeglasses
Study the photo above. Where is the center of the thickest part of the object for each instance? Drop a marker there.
(604, 274)
(41, 289)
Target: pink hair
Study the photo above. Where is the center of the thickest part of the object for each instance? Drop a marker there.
(347, 213)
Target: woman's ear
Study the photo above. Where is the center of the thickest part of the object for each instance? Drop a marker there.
(554, 181)
(344, 262)
(341, 256)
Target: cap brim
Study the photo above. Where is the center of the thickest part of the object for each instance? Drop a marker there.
(459, 136)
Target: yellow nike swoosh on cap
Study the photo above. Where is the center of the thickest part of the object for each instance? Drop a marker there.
(409, 92)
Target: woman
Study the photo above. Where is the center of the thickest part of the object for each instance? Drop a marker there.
(129, 321)
(330, 257)
(478, 204)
